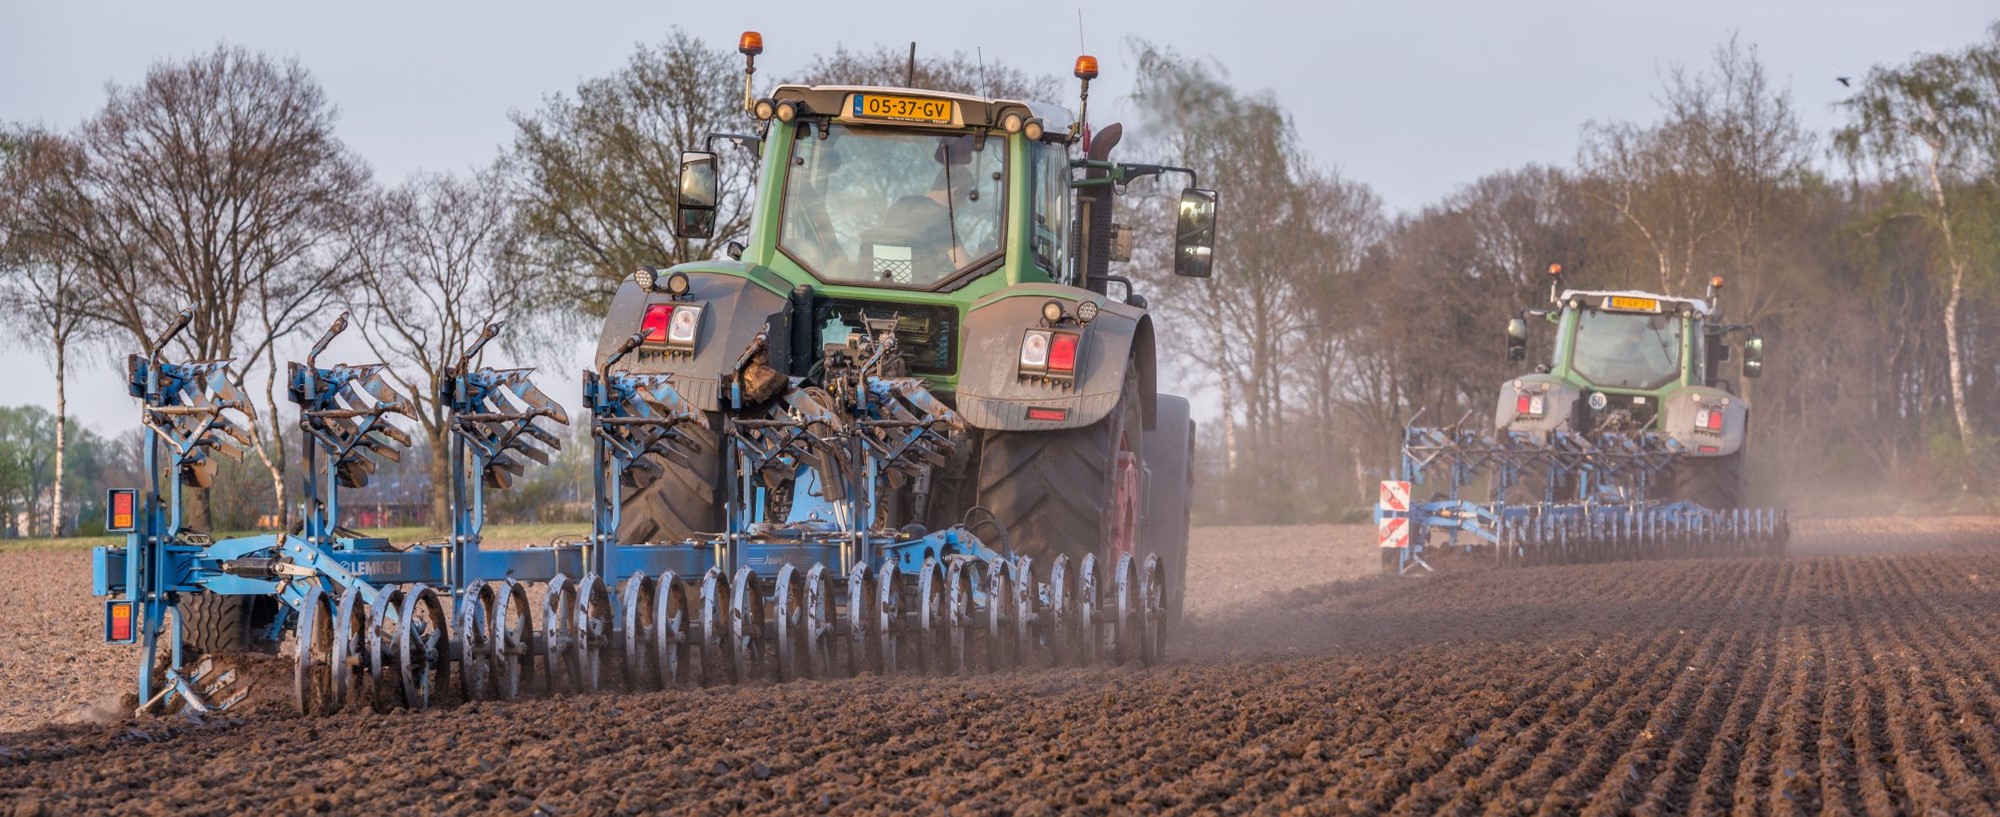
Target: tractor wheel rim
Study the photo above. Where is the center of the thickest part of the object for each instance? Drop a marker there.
(1124, 501)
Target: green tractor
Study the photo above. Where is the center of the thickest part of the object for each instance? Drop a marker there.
(976, 235)
(1628, 361)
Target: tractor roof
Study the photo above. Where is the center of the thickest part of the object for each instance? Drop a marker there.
(978, 111)
(1599, 296)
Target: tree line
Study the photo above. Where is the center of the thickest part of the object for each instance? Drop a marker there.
(1866, 255)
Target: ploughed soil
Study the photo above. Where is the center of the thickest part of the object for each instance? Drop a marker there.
(1861, 674)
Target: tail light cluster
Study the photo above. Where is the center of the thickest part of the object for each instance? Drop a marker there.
(1050, 354)
(672, 325)
(1708, 419)
(1530, 405)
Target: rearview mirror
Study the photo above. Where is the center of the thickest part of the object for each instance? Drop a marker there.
(1517, 339)
(699, 191)
(1194, 236)
(1753, 356)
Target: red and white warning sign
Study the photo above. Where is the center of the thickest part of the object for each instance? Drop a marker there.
(1395, 531)
(1395, 496)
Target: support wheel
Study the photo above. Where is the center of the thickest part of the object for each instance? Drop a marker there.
(423, 647)
(932, 619)
(746, 626)
(1089, 613)
(671, 647)
(1125, 610)
(888, 616)
(789, 598)
(716, 666)
(350, 628)
(512, 640)
(642, 659)
(563, 658)
(313, 675)
(475, 648)
(595, 622)
(819, 623)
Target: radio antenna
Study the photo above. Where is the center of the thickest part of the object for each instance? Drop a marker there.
(1080, 49)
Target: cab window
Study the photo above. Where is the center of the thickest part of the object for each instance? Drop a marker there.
(1050, 242)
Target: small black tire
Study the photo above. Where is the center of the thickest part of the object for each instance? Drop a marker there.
(1052, 490)
(213, 624)
(684, 497)
(1170, 470)
(1715, 483)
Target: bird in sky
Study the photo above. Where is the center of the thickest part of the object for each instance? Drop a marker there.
(1844, 82)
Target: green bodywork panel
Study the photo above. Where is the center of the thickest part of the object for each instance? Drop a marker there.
(768, 265)
(1693, 356)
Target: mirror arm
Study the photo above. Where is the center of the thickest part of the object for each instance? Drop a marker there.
(742, 140)
(1125, 173)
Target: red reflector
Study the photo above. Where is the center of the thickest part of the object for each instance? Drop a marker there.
(118, 622)
(1715, 419)
(655, 324)
(122, 515)
(1709, 449)
(1062, 353)
(1522, 404)
(1051, 414)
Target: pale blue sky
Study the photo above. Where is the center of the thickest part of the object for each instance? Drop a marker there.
(1414, 98)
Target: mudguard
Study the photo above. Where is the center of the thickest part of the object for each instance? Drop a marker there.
(1558, 400)
(1677, 420)
(993, 395)
(735, 307)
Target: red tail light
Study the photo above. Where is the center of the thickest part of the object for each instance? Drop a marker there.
(1714, 420)
(658, 316)
(1062, 353)
(1521, 404)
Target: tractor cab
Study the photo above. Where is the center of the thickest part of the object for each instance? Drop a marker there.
(915, 208)
(1626, 360)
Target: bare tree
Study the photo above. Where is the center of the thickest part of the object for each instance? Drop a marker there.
(1931, 121)
(215, 184)
(437, 262)
(596, 174)
(50, 295)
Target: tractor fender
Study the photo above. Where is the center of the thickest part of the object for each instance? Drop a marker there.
(1677, 420)
(1559, 401)
(993, 394)
(735, 307)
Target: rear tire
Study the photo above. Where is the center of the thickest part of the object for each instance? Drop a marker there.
(1715, 483)
(684, 497)
(213, 624)
(1170, 469)
(1052, 490)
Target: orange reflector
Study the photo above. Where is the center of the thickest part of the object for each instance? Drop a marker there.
(1086, 67)
(121, 510)
(1054, 415)
(751, 43)
(118, 622)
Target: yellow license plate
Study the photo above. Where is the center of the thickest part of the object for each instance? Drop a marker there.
(1633, 304)
(902, 108)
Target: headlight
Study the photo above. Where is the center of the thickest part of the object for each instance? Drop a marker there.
(1035, 351)
(681, 329)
